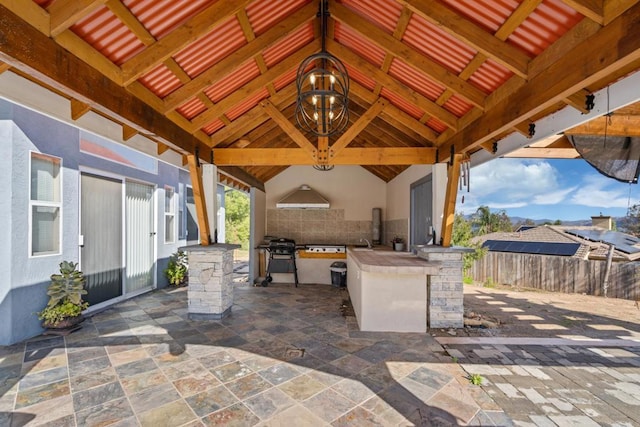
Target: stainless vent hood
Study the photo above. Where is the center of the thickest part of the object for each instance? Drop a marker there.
(303, 198)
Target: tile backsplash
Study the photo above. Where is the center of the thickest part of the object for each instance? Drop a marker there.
(395, 228)
(317, 226)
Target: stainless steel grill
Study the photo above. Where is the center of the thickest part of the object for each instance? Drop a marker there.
(282, 259)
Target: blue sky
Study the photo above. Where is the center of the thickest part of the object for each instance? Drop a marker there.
(546, 189)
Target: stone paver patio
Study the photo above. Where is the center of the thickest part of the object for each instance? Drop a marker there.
(287, 356)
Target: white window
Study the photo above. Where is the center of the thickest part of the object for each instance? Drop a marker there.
(45, 205)
(169, 215)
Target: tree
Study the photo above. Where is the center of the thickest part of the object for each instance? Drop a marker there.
(237, 218)
(461, 236)
(485, 221)
(632, 222)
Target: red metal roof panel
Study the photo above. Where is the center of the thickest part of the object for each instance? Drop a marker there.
(161, 17)
(285, 47)
(263, 14)
(241, 76)
(351, 39)
(213, 127)
(436, 125)
(438, 45)
(550, 21)
(361, 78)
(457, 106)
(161, 81)
(285, 79)
(191, 108)
(488, 14)
(247, 104)
(108, 35)
(210, 49)
(383, 13)
(489, 76)
(402, 104)
(416, 80)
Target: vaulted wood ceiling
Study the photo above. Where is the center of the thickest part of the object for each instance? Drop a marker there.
(428, 78)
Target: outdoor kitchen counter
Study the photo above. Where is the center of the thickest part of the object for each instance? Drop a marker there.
(382, 259)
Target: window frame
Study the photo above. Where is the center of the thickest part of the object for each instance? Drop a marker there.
(171, 214)
(47, 204)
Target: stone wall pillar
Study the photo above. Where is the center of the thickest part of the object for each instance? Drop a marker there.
(445, 290)
(210, 291)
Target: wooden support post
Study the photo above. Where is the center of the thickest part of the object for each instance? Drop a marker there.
(450, 201)
(198, 195)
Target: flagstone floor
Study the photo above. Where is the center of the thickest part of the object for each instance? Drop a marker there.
(286, 356)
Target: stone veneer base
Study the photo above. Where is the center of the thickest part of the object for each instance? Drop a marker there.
(210, 316)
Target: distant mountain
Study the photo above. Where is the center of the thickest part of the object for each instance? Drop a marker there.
(580, 222)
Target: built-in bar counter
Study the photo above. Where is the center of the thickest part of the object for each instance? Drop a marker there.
(405, 292)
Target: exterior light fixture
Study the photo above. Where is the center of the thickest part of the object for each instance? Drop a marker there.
(323, 89)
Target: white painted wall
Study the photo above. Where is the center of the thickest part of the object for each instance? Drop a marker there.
(399, 192)
(258, 225)
(351, 188)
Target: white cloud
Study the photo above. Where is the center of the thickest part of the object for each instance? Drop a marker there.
(516, 183)
(598, 191)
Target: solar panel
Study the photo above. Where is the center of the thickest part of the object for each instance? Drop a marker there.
(540, 248)
(622, 242)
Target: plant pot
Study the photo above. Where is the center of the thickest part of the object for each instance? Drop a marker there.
(398, 247)
(63, 327)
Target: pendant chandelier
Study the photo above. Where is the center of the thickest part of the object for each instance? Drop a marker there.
(323, 89)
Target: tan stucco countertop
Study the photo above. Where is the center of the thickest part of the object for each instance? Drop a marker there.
(382, 259)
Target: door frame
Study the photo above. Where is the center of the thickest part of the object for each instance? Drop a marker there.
(122, 179)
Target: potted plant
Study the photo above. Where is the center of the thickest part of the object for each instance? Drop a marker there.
(65, 306)
(177, 269)
(398, 243)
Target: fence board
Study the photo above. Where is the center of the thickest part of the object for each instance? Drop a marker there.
(558, 274)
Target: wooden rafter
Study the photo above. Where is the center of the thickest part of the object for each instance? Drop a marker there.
(173, 42)
(612, 47)
(592, 9)
(357, 127)
(289, 129)
(27, 49)
(64, 13)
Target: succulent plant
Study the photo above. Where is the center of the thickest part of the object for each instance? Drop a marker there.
(68, 285)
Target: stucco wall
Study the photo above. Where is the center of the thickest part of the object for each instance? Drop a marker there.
(23, 131)
(258, 229)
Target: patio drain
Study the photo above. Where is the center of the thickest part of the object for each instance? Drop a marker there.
(292, 353)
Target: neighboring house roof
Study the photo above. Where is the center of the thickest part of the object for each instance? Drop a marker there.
(557, 241)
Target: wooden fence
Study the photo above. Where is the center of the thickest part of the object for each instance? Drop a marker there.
(558, 274)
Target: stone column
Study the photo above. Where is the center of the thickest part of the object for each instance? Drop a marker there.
(210, 291)
(445, 291)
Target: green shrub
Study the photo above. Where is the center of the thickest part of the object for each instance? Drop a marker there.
(177, 269)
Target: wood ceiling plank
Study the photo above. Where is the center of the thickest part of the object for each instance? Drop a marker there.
(409, 55)
(243, 176)
(27, 49)
(357, 127)
(31, 12)
(503, 53)
(182, 36)
(65, 13)
(592, 9)
(392, 84)
(613, 47)
(289, 128)
(615, 8)
(253, 86)
(240, 56)
(78, 109)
